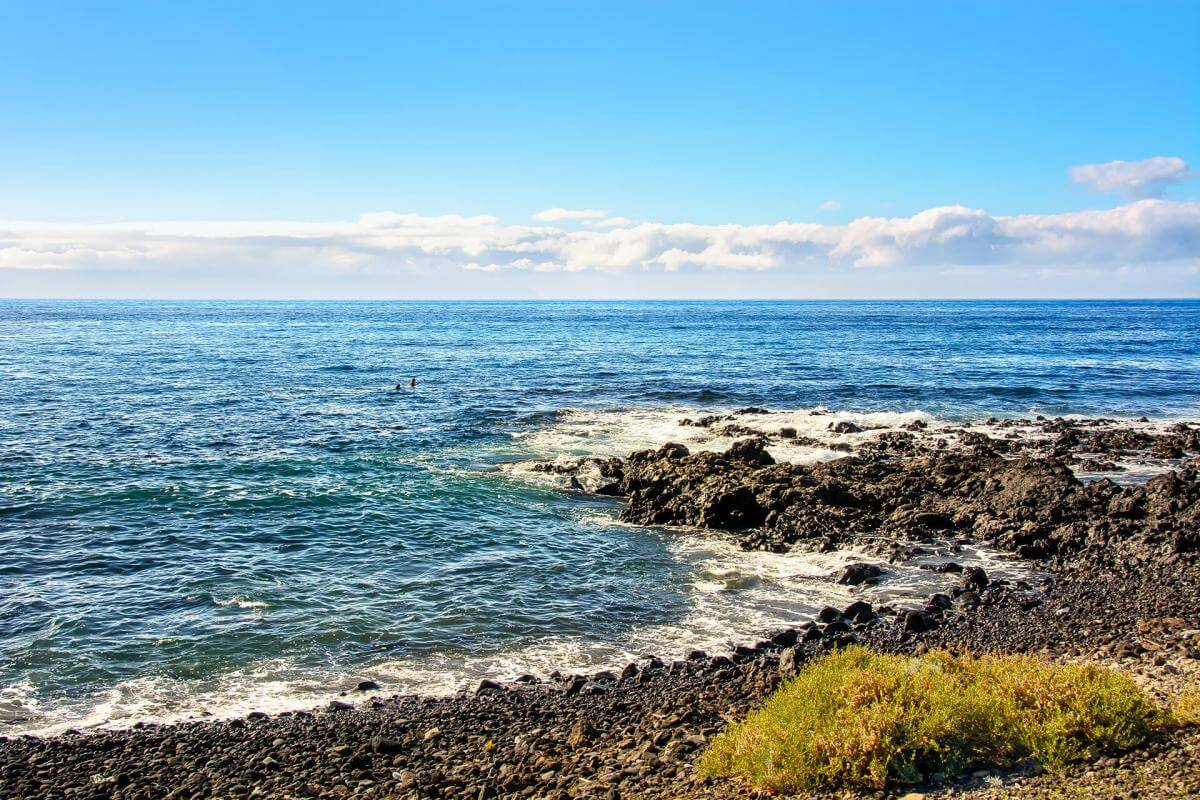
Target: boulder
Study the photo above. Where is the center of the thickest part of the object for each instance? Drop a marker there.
(855, 574)
(974, 577)
(918, 621)
(749, 451)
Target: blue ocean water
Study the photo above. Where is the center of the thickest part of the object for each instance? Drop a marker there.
(212, 507)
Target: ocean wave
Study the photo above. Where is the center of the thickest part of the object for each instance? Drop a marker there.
(620, 431)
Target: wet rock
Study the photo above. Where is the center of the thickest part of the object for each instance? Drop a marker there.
(786, 638)
(975, 578)
(855, 574)
(918, 621)
(366, 686)
(859, 611)
(828, 614)
(933, 521)
(749, 451)
(940, 601)
(673, 450)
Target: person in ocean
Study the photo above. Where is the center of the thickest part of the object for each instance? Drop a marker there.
(412, 384)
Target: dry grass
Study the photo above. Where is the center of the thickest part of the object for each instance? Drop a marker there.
(858, 720)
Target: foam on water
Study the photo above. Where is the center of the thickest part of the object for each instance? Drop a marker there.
(620, 431)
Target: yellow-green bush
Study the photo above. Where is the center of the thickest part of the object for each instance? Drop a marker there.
(856, 719)
(1187, 708)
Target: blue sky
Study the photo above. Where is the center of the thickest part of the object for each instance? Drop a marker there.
(673, 113)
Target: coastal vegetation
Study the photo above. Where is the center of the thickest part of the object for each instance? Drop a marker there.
(856, 719)
(1187, 707)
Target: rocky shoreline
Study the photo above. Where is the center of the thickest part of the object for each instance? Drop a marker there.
(1122, 586)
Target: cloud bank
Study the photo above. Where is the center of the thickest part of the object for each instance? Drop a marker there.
(1146, 178)
(559, 214)
(405, 250)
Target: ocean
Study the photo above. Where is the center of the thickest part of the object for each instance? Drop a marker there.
(210, 508)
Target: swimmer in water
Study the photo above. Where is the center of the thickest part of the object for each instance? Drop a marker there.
(412, 384)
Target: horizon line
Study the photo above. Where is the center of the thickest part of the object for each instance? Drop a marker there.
(965, 299)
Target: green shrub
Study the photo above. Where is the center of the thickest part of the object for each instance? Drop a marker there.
(1187, 707)
(858, 720)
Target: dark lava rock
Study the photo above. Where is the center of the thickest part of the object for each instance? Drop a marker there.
(787, 638)
(789, 662)
(386, 745)
(975, 577)
(854, 574)
(828, 614)
(366, 686)
(918, 621)
(859, 611)
(940, 601)
(937, 522)
(749, 451)
(673, 450)
(844, 427)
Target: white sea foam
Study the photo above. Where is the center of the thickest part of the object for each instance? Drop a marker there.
(617, 432)
(240, 601)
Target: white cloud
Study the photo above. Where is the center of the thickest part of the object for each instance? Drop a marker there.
(611, 222)
(559, 214)
(1145, 178)
(1139, 234)
(830, 205)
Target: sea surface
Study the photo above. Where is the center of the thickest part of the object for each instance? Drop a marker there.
(208, 508)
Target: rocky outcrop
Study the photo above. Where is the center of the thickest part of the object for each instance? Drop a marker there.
(898, 490)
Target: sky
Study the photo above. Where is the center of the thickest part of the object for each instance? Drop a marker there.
(593, 150)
